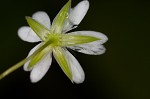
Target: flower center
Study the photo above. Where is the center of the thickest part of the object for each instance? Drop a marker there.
(54, 39)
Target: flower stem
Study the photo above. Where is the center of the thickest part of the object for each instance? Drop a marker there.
(19, 64)
(13, 68)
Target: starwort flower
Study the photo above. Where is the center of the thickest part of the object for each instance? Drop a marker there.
(55, 40)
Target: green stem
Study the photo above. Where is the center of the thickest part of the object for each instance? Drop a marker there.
(13, 68)
(19, 64)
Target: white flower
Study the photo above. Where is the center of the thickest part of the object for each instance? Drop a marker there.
(54, 40)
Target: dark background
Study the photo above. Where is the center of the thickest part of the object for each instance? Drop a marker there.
(123, 72)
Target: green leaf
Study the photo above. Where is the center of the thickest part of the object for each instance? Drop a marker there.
(70, 39)
(59, 21)
(38, 28)
(59, 55)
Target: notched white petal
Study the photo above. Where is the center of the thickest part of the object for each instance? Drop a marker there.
(78, 12)
(42, 18)
(92, 48)
(25, 67)
(41, 68)
(28, 35)
(76, 69)
(76, 15)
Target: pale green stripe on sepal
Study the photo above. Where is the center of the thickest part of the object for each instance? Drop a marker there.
(59, 20)
(60, 57)
(71, 40)
(39, 56)
(38, 28)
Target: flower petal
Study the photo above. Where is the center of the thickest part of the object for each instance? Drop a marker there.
(41, 68)
(25, 67)
(78, 12)
(27, 34)
(42, 18)
(76, 15)
(93, 48)
(76, 69)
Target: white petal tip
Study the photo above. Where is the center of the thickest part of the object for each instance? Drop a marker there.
(79, 11)
(35, 76)
(86, 2)
(34, 79)
(43, 18)
(79, 80)
(103, 39)
(38, 13)
(22, 32)
(27, 34)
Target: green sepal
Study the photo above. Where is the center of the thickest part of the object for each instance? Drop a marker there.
(59, 55)
(38, 28)
(59, 20)
(39, 56)
(71, 39)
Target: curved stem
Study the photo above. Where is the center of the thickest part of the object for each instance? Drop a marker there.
(13, 68)
(19, 64)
